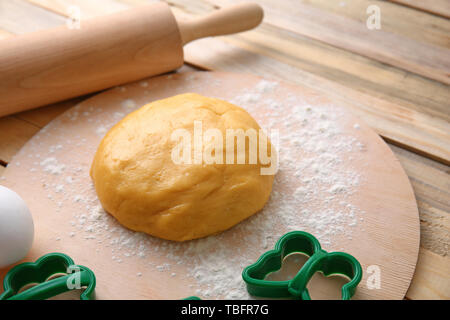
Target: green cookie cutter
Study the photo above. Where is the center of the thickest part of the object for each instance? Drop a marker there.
(319, 260)
(39, 272)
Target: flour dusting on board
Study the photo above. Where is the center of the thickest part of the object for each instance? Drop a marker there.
(312, 191)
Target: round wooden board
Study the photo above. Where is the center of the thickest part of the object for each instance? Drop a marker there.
(337, 180)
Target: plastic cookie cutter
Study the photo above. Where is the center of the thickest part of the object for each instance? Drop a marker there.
(52, 274)
(328, 263)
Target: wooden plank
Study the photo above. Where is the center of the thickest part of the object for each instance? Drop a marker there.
(88, 8)
(14, 134)
(431, 183)
(43, 115)
(437, 7)
(431, 280)
(360, 73)
(403, 21)
(17, 16)
(426, 59)
(414, 130)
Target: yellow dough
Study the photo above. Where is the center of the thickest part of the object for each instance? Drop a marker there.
(138, 182)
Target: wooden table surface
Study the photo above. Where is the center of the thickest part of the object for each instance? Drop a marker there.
(396, 79)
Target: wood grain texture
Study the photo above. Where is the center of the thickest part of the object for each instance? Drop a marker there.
(424, 58)
(349, 69)
(16, 130)
(19, 17)
(431, 280)
(43, 115)
(413, 24)
(431, 183)
(413, 130)
(13, 135)
(415, 115)
(88, 8)
(438, 7)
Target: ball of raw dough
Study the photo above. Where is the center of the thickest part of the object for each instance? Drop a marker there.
(140, 184)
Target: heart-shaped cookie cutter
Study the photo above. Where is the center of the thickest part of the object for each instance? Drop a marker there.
(51, 274)
(328, 263)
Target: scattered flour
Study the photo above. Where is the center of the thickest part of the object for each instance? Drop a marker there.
(313, 191)
(101, 130)
(51, 165)
(129, 104)
(265, 86)
(69, 180)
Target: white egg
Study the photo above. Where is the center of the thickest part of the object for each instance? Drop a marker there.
(16, 227)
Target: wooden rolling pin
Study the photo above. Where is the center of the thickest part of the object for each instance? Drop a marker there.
(61, 63)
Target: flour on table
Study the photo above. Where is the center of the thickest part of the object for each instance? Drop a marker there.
(100, 131)
(51, 165)
(69, 179)
(129, 104)
(312, 191)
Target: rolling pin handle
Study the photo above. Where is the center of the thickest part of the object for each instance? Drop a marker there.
(232, 19)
